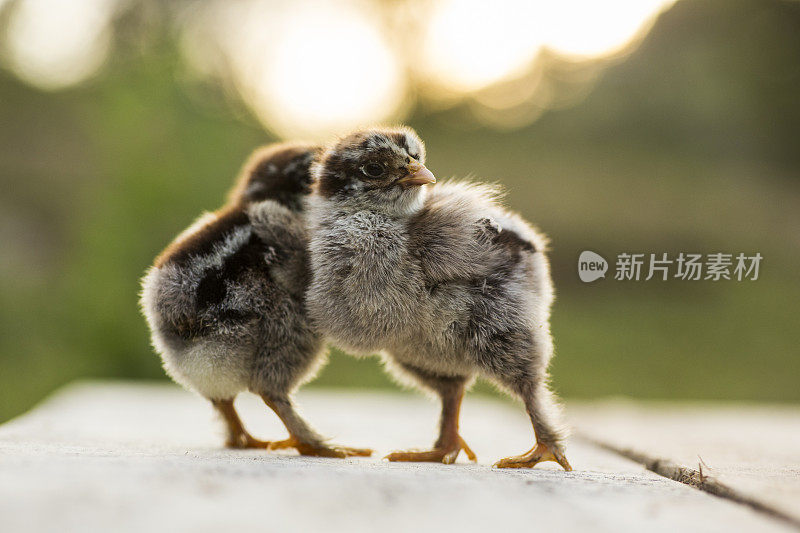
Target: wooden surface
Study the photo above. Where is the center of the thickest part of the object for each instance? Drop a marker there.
(754, 450)
(127, 457)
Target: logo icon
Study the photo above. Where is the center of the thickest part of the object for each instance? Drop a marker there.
(591, 266)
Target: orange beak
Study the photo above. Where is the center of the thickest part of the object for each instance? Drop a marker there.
(417, 175)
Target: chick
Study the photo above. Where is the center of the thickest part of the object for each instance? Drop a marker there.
(445, 282)
(225, 300)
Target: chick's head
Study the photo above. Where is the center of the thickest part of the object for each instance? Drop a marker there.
(378, 165)
(279, 172)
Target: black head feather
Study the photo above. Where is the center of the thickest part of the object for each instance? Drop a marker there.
(277, 172)
(368, 160)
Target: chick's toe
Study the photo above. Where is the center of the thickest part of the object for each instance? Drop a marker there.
(538, 454)
(446, 454)
(319, 450)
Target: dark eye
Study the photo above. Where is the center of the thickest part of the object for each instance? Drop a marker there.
(372, 170)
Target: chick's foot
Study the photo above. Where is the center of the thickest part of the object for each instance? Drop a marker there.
(446, 454)
(538, 454)
(245, 440)
(319, 450)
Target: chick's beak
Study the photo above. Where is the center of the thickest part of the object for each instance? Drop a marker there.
(417, 175)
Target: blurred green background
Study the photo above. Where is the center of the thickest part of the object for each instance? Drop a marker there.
(686, 141)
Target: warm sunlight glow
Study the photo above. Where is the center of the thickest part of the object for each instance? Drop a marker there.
(330, 69)
(309, 68)
(592, 28)
(312, 69)
(54, 43)
(472, 43)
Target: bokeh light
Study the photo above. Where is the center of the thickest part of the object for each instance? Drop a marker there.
(329, 69)
(590, 28)
(312, 69)
(309, 68)
(54, 44)
(470, 44)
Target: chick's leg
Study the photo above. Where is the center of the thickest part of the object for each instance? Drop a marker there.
(449, 444)
(238, 437)
(301, 436)
(539, 404)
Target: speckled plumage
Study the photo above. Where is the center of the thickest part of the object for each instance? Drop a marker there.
(225, 301)
(445, 282)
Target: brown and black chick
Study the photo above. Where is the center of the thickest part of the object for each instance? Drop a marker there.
(225, 301)
(444, 281)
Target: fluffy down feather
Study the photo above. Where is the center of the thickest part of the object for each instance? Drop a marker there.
(457, 287)
(225, 301)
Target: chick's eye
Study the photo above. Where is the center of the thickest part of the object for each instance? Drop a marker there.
(373, 170)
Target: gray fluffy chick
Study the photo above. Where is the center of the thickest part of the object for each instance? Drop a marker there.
(445, 282)
(225, 301)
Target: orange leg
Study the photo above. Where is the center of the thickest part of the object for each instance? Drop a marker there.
(538, 403)
(449, 444)
(238, 437)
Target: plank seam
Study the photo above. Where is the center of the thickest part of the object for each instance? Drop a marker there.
(693, 478)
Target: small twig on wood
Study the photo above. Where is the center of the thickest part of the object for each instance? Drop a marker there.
(700, 466)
